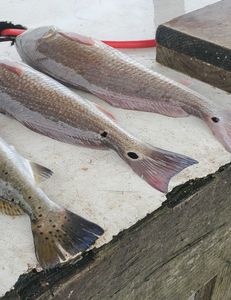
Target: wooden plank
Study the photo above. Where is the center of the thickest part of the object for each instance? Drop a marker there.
(199, 44)
(222, 288)
(168, 255)
(206, 291)
(195, 68)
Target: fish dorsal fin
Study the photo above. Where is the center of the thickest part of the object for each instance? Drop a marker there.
(10, 209)
(78, 38)
(40, 172)
(36, 172)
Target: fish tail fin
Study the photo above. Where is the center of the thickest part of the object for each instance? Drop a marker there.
(157, 166)
(220, 124)
(61, 236)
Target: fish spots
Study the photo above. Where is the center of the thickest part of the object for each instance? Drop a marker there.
(4, 172)
(29, 197)
(132, 155)
(40, 215)
(104, 134)
(215, 119)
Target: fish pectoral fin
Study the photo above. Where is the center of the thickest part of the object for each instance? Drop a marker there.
(10, 209)
(78, 38)
(40, 172)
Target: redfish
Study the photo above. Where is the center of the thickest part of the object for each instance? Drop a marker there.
(91, 65)
(49, 108)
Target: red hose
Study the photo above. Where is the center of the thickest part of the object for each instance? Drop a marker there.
(114, 44)
(11, 32)
(131, 44)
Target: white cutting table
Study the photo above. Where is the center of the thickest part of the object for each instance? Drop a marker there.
(98, 184)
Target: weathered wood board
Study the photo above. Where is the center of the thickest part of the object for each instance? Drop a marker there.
(199, 44)
(170, 254)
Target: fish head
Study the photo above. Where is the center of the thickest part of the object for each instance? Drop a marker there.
(28, 42)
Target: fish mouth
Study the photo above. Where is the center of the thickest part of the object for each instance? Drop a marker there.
(24, 53)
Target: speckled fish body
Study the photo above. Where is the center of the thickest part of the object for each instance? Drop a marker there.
(47, 107)
(93, 66)
(20, 194)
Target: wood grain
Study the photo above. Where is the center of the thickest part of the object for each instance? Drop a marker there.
(206, 291)
(194, 67)
(222, 289)
(170, 254)
(199, 44)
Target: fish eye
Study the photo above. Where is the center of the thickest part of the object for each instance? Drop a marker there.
(215, 119)
(132, 155)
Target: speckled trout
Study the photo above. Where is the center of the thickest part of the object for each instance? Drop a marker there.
(48, 107)
(59, 235)
(89, 64)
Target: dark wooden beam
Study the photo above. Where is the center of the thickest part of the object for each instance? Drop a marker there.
(169, 254)
(199, 44)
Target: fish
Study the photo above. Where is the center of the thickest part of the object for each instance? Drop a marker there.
(59, 234)
(91, 65)
(49, 108)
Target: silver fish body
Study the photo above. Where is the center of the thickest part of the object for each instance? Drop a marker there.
(56, 239)
(93, 66)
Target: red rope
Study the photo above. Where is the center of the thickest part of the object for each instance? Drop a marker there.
(114, 44)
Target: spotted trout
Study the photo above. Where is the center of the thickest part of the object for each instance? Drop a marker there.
(91, 65)
(47, 107)
(59, 234)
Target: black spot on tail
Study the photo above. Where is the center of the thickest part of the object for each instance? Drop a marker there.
(215, 119)
(133, 155)
(104, 134)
